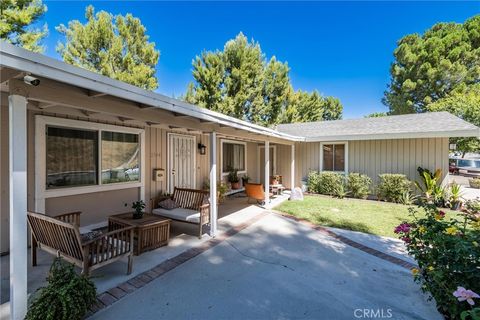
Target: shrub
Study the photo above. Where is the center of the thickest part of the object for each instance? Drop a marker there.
(392, 187)
(329, 183)
(67, 296)
(474, 183)
(358, 185)
(448, 256)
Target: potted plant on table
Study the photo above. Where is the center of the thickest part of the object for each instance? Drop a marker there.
(275, 179)
(138, 206)
(234, 180)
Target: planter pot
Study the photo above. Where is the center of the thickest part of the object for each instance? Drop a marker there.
(235, 185)
(138, 215)
(456, 205)
(474, 183)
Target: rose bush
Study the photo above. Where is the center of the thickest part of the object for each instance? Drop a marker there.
(448, 255)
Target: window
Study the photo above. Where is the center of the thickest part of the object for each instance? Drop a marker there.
(333, 157)
(233, 156)
(120, 157)
(72, 157)
(89, 155)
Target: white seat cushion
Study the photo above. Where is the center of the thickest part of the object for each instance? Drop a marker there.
(181, 214)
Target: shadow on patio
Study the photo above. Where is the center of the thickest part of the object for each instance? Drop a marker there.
(233, 212)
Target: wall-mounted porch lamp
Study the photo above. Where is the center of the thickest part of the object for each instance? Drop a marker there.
(202, 148)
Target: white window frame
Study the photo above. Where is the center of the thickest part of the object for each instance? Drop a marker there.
(41, 191)
(222, 141)
(335, 143)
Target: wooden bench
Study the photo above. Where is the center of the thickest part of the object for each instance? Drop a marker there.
(192, 207)
(60, 236)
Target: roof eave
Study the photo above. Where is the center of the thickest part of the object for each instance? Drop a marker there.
(408, 135)
(43, 66)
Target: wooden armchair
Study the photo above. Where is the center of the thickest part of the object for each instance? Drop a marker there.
(60, 236)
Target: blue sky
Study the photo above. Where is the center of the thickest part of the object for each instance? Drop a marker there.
(343, 49)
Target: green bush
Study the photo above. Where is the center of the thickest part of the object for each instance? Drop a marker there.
(448, 255)
(392, 187)
(329, 183)
(68, 296)
(358, 185)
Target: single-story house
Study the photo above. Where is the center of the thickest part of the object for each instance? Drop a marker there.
(74, 140)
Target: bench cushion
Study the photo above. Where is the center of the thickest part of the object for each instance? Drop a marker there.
(181, 214)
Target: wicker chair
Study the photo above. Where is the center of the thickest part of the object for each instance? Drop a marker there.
(60, 236)
(192, 207)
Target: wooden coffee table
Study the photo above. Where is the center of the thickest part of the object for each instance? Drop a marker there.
(151, 231)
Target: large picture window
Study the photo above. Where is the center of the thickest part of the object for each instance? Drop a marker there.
(333, 157)
(81, 154)
(233, 156)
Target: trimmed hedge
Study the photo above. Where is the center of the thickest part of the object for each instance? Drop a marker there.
(393, 187)
(329, 183)
(358, 185)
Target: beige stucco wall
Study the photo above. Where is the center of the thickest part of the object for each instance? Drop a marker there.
(374, 157)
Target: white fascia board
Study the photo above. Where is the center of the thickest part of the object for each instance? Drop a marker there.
(43, 66)
(406, 135)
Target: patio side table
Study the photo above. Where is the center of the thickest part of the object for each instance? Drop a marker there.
(151, 231)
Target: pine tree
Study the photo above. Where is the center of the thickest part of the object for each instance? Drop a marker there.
(116, 47)
(15, 19)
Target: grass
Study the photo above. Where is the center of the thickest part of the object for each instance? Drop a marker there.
(367, 216)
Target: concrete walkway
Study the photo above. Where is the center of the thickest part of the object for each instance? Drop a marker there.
(278, 269)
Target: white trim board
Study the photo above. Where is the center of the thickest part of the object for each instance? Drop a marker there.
(346, 154)
(41, 192)
(222, 141)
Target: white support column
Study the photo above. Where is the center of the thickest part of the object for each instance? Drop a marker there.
(18, 205)
(213, 184)
(292, 168)
(267, 172)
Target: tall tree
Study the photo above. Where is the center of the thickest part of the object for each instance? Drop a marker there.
(116, 47)
(232, 81)
(239, 81)
(307, 107)
(466, 105)
(430, 67)
(16, 18)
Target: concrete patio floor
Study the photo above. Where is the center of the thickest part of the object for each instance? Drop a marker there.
(234, 211)
(278, 269)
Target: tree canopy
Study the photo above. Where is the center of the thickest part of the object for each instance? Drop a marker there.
(15, 23)
(466, 105)
(307, 107)
(429, 67)
(241, 82)
(116, 47)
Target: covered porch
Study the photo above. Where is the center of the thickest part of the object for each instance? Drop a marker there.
(165, 143)
(233, 213)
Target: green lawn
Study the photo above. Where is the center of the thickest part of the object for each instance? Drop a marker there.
(368, 216)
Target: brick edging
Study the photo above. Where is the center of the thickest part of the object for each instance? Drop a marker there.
(117, 293)
(349, 242)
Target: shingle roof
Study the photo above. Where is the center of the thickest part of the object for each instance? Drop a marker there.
(424, 125)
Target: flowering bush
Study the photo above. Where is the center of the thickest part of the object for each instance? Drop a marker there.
(448, 256)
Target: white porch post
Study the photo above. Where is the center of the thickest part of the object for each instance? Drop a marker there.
(18, 204)
(292, 168)
(267, 172)
(213, 184)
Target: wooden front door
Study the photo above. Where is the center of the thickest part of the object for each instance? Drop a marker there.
(181, 161)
